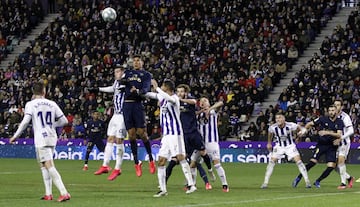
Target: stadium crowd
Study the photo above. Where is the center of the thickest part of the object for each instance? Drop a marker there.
(234, 51)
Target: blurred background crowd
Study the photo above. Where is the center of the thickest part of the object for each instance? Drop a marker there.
(234, 51)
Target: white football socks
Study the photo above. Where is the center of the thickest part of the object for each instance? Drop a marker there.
(47, 181)
(109, 148)
(119, 155)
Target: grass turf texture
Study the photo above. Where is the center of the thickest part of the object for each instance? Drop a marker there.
(21, 185)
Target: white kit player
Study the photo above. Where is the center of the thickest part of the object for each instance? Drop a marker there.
(172, 142)
(45, 116)
(116, 131)
(283, 133)
(207, 123)
(343, 149)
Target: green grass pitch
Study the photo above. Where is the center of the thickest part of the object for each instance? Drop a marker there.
(21, 185)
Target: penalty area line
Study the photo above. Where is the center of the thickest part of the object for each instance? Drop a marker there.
(260, 200)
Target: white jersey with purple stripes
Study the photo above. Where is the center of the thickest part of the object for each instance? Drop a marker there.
(119, 94)
(283, 136)
(344, 148)
(208, 126)
(170, 116)
(347, 124)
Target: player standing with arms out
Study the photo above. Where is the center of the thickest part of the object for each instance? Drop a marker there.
(94, 128)
(283, 131)
(116, 130)
(172, 142)
(138, 83)
(45, 116)
(330, 131)
(208, 127)
(343, 149)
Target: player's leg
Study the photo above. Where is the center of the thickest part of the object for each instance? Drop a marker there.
(140, 125)
(161, 176)
(207, 162)
(222, 175)
(269, 171)
(89, 148)
(47, 183)
(194, 159)
(120, 149)
(143, 135)
(331, 164)
(343, 151)
(100, 144)
(187, 173)
(198, 144)
(47, 160)
(120, 134)
(178, 148)
(203, 176)
(313, 161)
(108, 151)
(164, 152)
(173, 162)
(302, 170)
(129, 110)
(275, 155)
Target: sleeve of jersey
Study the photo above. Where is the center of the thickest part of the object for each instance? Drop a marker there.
(26, 120)
(146, 86)
(109, 89)
(271, 129)
(165, 95)
(151, 95)
(60, 118)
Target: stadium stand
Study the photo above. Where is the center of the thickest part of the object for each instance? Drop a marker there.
(235, 51)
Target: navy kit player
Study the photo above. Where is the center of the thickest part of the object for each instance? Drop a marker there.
(138, 83)
(116, 130)
(194, 142)
(95, 128)
(282, 132)
(45, 116)
(330, 130)
(208, 127)
(343, 149)
(172, 142)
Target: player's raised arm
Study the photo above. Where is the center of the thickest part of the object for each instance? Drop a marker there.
(108, 89)
(191, 101)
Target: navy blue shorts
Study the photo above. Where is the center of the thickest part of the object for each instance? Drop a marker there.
(328, 150)
(98, 142)
(134, 115)
(193, 141)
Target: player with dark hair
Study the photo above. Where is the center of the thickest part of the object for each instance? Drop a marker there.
(94, 128)
(137, 83)
(45, 116)
(172, 142)
(116, 130)
(330, 130)
(344, 148)
(194, 142)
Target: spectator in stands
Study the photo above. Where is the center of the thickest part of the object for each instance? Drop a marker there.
(259, 44)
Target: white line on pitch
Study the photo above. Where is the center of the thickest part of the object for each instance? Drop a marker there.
(259, 200)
